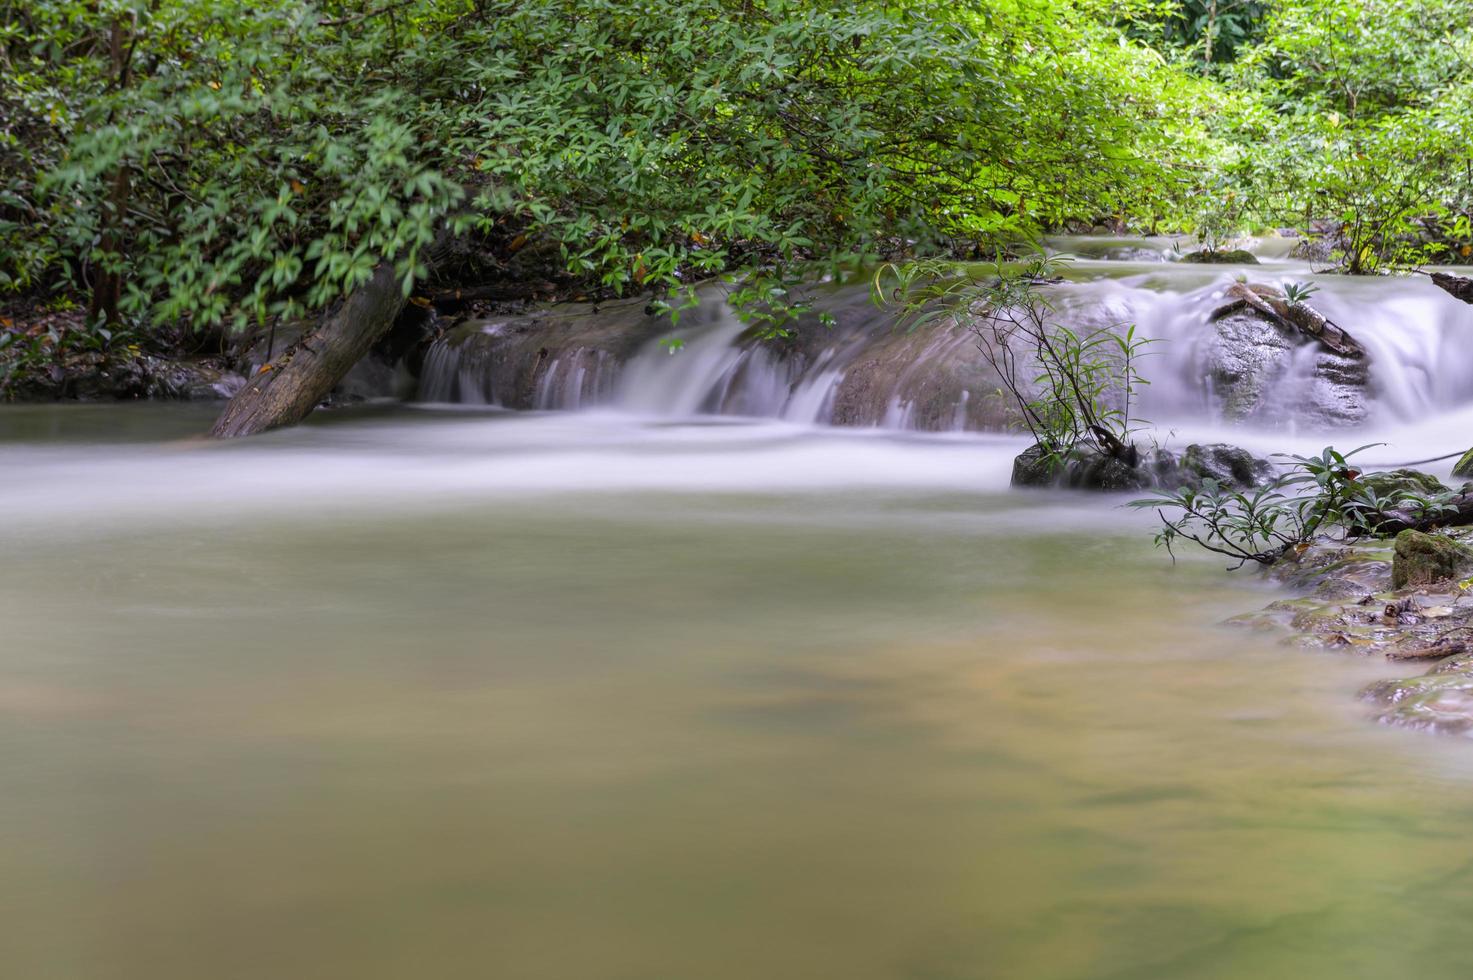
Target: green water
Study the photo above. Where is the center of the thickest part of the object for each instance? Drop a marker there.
(476, 696)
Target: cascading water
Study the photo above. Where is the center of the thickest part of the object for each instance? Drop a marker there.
(866, 371)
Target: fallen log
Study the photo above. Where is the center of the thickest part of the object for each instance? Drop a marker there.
(1396, 520)
(285, 390)
(1273, 306)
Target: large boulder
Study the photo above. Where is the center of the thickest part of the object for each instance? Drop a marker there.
(1246, 356)
(1273, 362)
(1424, 559)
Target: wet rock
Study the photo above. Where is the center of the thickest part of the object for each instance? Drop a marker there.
(1425, 559)
(1084, 469)
(1089, 469)
(860, 370)
(1246, 356)
(1354, 609)
(1233, 467)
(567, 355)
(1388, 483)
(369, 379)
(1464, 469)
(99, 376)
(1398, 491)
(1260, 341)
(1439, 701)
(1233, 256)
(1337, 572)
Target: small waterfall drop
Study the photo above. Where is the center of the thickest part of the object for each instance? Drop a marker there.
(868, 371)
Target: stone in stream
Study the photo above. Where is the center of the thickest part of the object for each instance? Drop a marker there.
(1084, 469)
(1260, 341)
(1464, 469)
(1440, 700)
(1386, 483)
(95, 376)
(1350, 605)
(1425, 559)
(1089, 469)
(1229, 256)
(1233, 467)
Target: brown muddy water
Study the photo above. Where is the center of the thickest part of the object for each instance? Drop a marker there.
(429, 694)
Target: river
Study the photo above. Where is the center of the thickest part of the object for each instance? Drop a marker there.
(455, 692)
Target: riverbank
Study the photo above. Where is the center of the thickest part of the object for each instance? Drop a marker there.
(1350, 602)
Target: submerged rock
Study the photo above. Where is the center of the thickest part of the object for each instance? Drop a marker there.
(1440, 700)
(1425, 559)
(1353, 608)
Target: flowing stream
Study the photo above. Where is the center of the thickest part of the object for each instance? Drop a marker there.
(647, 692)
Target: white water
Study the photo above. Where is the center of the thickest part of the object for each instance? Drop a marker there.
(1420, 344)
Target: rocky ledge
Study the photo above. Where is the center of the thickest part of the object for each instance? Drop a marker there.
(127, 375)
(1406, 600)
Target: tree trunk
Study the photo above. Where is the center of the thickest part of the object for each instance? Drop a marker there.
(285, 391)
(1461, 515)
(107, 286)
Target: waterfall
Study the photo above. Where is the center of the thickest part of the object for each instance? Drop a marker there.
(868, 371)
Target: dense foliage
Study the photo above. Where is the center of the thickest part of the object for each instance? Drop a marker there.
(174, 159)
(195, 163)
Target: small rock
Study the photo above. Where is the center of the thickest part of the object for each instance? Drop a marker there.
(1464, 469)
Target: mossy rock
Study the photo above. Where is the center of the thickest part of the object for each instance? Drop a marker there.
(1227, 256)
(1388, 482)
(1464, 469)
(1422, 559)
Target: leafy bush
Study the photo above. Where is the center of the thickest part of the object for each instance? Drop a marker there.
(1316, 494)
(1070, 388)
(182, 161)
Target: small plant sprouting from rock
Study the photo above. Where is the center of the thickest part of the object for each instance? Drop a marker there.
(1073, 389)
(1317, 494)
(1299, 292)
